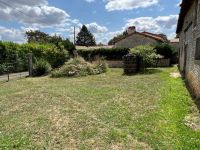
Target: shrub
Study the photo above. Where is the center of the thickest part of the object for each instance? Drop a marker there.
(166, 50)
(16, 55)
(3, 69)
(108, 54)
(54, 55)
(41, 67)
(147, 55)
(79, 67)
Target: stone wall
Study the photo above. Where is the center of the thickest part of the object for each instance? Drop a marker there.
(120, 64)
(188, 37)
(135, 40)
(115, 64)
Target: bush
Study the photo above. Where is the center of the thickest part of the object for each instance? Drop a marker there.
(41, 67)
(16, 55)
(147, 55)
(79, 67)
(54, 55)
(108, 54)
(166, 50)
(3, 69)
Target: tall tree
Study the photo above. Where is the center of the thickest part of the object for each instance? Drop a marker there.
(37, 37)
(85, 37)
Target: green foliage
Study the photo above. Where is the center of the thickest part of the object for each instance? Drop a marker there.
(11, 58)
(69, 46)
(16, 55)
(85, 37)
(43, 38)
(79, 67)
(55, 56)
(37, 37)
(118, 37)
(165, 50)
(108, 54)
(3, 68)
(41, 67)
(147, 54)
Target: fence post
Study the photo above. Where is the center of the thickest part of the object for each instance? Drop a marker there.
(30, 64)
(8, 77)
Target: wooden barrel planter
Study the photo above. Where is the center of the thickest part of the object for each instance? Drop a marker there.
(131, 64)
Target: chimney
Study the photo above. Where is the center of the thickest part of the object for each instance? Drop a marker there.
(131, 30)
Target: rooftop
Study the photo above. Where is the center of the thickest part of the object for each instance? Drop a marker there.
(185, 6)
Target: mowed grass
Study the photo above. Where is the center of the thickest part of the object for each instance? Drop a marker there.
(108, 111)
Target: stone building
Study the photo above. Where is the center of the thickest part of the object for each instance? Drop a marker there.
(134, 38)
(188, 30)
(175, 43)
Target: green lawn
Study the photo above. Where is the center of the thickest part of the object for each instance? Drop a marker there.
(108, 111)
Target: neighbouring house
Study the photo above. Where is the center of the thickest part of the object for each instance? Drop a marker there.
(188, 31)
(175, 43)
(134, 38)
(94, 47)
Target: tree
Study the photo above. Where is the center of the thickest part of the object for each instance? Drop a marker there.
(44, 38)
(37, 37)
(85, 37)
(116, 38)
(69, 46)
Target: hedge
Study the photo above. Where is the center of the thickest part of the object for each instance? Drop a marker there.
(108, 54)
(166, 50)
(16, 55)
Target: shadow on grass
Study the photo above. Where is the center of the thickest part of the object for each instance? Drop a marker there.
(148, 71)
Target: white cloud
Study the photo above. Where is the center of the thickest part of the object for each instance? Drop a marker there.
(95, 28)
(17, 3)
(99, 32)
(15, 35)
(32, 13)
(113, 5)
(160, 24)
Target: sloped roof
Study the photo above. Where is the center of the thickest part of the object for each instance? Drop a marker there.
(93, 47)
(174, 40)
(147, 34)
(185, 6)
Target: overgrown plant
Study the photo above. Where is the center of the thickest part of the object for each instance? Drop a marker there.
(166, 50)
(17, 54)
(77, 67)
(147, 55)
(41, 67)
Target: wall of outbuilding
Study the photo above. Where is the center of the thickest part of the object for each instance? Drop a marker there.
(188, 37)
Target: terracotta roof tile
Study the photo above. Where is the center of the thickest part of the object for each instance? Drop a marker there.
(147, 34)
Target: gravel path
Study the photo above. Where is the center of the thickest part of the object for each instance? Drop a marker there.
(14, 76)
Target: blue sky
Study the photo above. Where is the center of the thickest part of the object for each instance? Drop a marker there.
(104, 18)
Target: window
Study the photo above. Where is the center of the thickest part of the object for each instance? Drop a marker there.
(197, 51)
(196, 13)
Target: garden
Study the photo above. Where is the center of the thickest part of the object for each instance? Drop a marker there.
(74, 101)
(150, 110)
